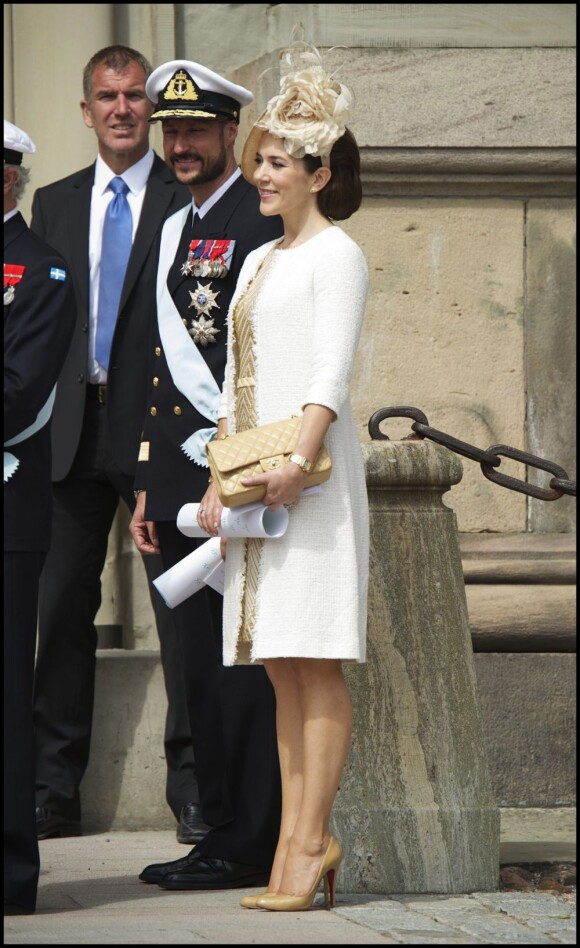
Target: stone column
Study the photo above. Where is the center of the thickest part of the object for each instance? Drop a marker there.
(415, 812)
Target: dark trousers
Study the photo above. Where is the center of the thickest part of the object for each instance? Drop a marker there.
(84, 505)
(232, 713)
(21, 859)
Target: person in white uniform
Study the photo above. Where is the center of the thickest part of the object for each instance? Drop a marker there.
(298, 604)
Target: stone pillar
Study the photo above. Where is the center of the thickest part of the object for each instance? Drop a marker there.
(415, 811)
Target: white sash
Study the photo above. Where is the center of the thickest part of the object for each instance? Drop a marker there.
(11, 463)
(189, 370)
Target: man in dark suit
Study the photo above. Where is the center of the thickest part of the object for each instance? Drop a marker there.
(38, 323)
(98, 413)
(232, 710)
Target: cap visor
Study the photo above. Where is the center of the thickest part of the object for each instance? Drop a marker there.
(183, 113)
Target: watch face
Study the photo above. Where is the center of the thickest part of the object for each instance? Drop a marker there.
(303, 463)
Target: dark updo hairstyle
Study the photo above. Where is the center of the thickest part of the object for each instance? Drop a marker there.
(342, 196)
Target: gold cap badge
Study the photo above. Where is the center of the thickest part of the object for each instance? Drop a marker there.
(181, 87)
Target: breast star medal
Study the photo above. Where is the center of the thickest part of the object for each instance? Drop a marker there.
(204, 299)
(202, 329)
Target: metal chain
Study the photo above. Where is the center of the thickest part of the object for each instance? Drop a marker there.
(489, 460)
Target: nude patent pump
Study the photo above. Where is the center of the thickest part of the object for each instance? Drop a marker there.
(278, 902)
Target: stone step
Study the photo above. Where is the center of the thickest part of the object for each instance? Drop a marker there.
(526, 702)
(494, 558)
(522, 618)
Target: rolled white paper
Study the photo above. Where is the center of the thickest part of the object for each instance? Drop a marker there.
(216, 577)
(190, 574)
(250, 520)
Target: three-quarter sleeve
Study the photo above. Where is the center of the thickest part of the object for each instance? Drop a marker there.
(340, 293)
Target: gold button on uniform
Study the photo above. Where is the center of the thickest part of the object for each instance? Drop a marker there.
(177, 410)
(157, 351)
(156, 381)
(153, 410)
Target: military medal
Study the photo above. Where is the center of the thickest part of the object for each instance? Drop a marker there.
(203, 331)
(13, 274)
(209, 258)
(203, 299)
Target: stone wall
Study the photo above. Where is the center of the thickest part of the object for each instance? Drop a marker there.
(465, 114)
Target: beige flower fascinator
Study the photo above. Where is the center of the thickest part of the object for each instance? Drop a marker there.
(309, 114)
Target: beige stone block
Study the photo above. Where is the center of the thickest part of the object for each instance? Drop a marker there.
(444, 332)
(52, 44)
(136, 611)
(461, 98)
(126, 599)
(124, 785)
(268, 27)
(528, 711)
(427, 24)
(551, 352)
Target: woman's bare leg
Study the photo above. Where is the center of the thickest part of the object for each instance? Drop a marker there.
(314, 741)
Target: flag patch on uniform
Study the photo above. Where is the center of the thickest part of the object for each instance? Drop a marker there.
(56, 274)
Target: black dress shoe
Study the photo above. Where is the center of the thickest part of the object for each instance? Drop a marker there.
(158, 870)
(210, 873)
(11, 908)
(49, 824)
(191, 829)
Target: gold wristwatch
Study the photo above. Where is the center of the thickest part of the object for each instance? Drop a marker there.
(303, 463)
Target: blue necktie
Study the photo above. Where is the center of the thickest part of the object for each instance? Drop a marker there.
(115, 251)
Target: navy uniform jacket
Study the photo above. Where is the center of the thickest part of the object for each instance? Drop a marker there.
(169, 476)
(38, 326)
(61, 216)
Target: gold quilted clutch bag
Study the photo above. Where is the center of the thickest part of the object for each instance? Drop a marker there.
(256, 451)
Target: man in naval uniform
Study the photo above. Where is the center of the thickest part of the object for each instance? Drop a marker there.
(38, 323)
(232, 710)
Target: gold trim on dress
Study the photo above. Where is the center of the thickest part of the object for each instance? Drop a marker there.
(245, 416)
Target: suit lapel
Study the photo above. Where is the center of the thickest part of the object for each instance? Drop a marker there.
(158, 198)
(79, 213)
(216, 221)
(175, 277)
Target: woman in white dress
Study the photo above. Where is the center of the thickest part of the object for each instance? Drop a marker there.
(298, 603)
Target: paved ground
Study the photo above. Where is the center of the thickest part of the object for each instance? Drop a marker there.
(89, 894)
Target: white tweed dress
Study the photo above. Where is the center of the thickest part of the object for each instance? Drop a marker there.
(311, 599)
